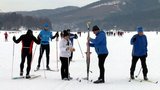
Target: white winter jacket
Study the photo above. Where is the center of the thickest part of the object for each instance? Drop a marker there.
(63, 48)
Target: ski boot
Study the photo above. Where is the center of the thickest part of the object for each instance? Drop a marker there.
(132, 77)
(37, 67)
(48, 68)
(28, 76)
(99, 81)
(145, 78)
(21, 73)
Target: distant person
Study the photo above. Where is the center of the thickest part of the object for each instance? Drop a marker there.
(45, 35)
(6, 36)
(100, 45)
(139, 42)
(66, 49)
(79, 33)
(72, 37)
(27, 44)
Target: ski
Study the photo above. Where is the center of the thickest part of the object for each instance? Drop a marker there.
(88, 51)
(82, 79)
(141, 80)
(150, 81)
(35, 76)
(24, 77)
(20, 77)
(130, 80)
(46, 70)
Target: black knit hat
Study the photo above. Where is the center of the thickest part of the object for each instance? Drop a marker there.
(65, 33)
(95, 28)
(29, 32)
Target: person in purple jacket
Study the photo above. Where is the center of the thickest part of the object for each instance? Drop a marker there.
(139, 51)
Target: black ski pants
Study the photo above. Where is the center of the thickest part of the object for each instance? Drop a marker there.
(47, 49)
(143, 63)
(64, 67)
(26, 53)
(101, 58)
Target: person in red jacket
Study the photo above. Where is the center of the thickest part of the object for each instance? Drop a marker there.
(6, 36)
(27, 44)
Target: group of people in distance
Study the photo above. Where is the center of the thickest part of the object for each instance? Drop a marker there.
(139, 42)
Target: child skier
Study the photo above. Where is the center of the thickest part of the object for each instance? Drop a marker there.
(65, 52)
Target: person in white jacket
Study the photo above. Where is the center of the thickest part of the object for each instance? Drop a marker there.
(65, 52)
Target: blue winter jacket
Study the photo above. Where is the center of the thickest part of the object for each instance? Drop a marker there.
(100, 43)
(45, 36)
(139, 45)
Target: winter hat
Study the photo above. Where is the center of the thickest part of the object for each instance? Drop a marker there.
(139, 29)
(65, 33)
(29, 32)
(45, 25)
(95, 28)
(68, 30)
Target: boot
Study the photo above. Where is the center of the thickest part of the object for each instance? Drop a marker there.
(48, 68)
(99, 81)
(28, 76)
(38, 67)
(132, 77)
(21, 73)
(145, 78)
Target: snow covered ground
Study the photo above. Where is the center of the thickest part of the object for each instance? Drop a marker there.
(117, 66)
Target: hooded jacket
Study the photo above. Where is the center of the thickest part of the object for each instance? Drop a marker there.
(99, 43)
(139, 45)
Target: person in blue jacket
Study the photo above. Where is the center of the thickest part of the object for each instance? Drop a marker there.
(139, 51)
(45, 35)
(100, 45)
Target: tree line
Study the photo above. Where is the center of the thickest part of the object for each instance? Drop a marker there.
(14, 21)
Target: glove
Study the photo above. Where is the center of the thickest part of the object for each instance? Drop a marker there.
(14, 38)
(75, 36)
(134, 39)
(39, 39)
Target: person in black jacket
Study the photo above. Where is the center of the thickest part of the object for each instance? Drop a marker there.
(27, 44)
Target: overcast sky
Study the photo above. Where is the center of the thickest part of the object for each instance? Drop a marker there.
(29, 5)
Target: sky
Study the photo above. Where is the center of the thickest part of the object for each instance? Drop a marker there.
(29, 5)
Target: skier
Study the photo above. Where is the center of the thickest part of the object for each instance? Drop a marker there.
(27, 44)
(45, 35)
(65, 52)
(139, 42)
(6, 36)
(101, 49)
(71, 37)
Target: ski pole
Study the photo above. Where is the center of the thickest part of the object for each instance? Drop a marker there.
(139, 72)
(80, 48)
(12, 60)
(57, 52)
(68, 69)
(34, 53)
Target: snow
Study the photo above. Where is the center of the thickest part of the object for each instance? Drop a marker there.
(106, 4)
(117, 66)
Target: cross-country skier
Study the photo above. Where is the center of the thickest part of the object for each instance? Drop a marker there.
(100, 45)
(139, 42)
(71, 37)
(65, 52)
(45, 35)
(27, 44)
